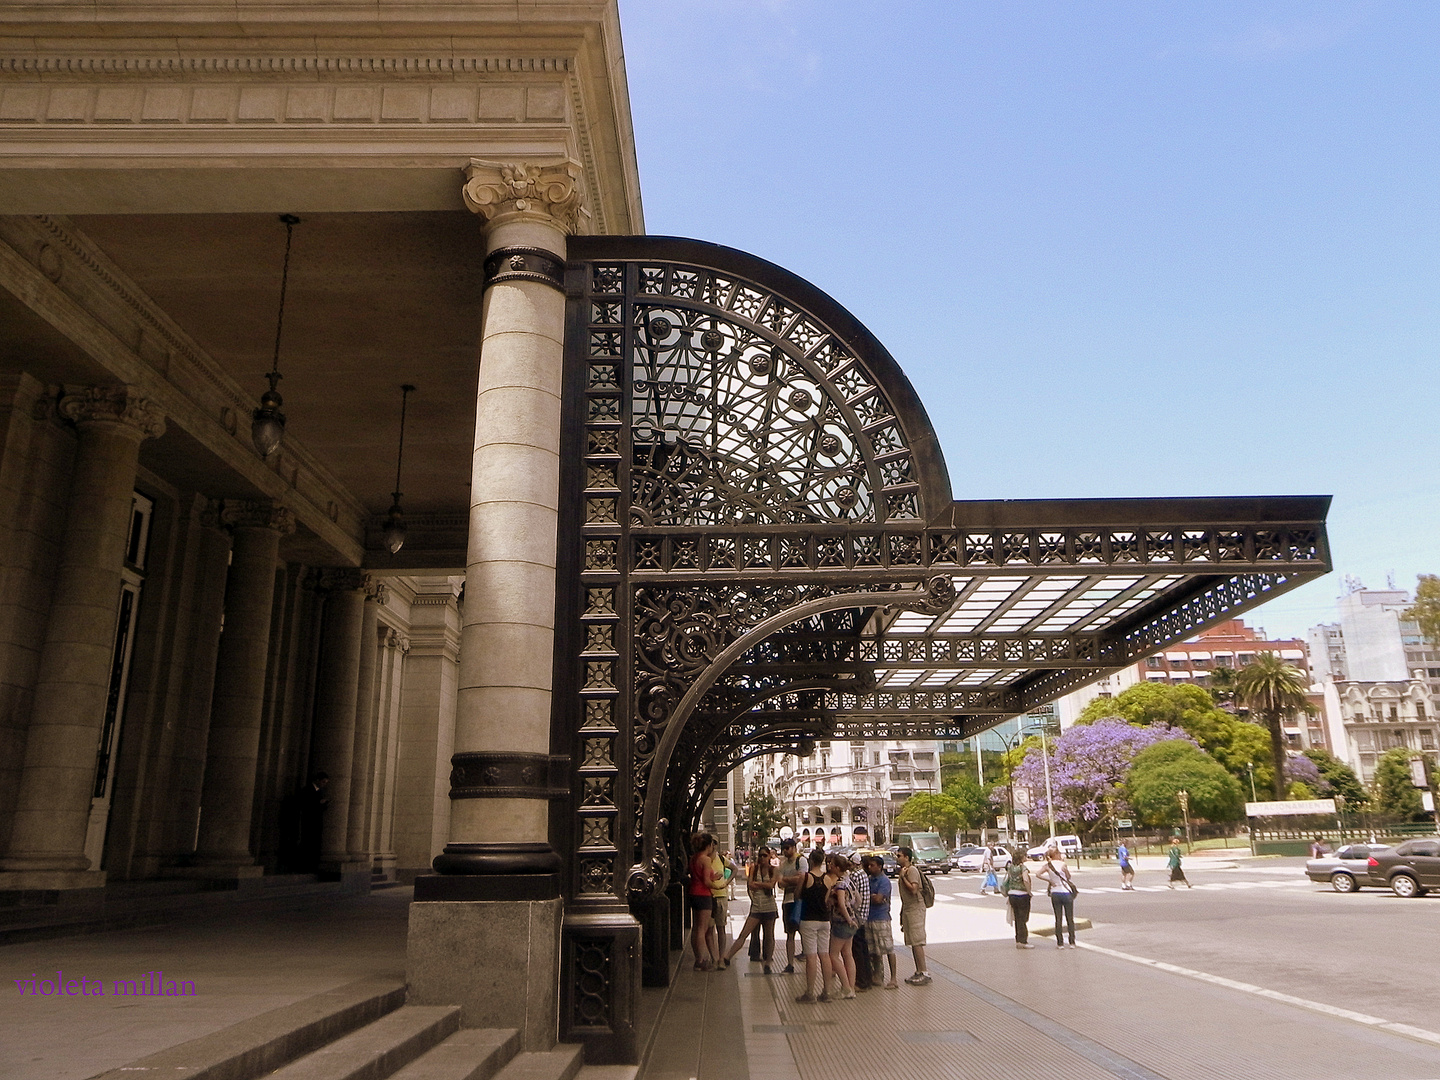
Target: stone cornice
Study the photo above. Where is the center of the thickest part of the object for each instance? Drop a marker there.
(255, 514)
(420, 67)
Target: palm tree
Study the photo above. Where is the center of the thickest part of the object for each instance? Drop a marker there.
(1272, 690)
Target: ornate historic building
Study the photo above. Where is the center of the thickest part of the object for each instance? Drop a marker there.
(660, 506)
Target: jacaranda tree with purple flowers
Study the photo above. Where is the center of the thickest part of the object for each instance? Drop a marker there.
(1088, 764)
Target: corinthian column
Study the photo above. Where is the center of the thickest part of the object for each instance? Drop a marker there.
(497, 890)
(47, 842)
(501, 775)
(244, 654)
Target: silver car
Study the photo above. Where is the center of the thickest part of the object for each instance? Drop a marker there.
(1347, 869)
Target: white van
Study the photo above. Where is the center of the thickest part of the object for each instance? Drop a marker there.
(1069, 846)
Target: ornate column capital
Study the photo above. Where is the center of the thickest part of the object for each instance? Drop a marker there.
(396, 640)
(120, 406)
(343, 579)
(547, 191)
(254, 514)
(376, 590)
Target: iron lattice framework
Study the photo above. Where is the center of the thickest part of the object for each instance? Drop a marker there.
(760, 548)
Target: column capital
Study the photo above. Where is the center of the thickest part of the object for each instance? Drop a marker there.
(252, 514)
(376, 590)
(343, 579)
(547, 191)
(120, 406)
(396, 640)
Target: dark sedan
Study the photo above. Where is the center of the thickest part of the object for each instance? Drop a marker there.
(1347, 869)
(1411, 868)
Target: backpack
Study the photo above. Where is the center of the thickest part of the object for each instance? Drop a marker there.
(1014, 878)
(927, 890)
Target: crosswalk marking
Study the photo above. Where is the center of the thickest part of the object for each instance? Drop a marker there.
(1210, 885)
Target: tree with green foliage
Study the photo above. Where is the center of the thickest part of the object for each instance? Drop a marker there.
(1339, 779)
(760, 817)
(1426, 609)
(1160, 772)
(1233, 741)
(1395, 795)
(930, 813)
(1272, 690)
(972, 800)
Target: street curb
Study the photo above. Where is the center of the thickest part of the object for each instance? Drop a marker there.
(1049, 931)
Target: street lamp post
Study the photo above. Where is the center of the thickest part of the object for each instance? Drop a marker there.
(1184, 797)
(1250, 768)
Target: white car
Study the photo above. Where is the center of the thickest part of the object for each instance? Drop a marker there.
(1069, 847)
(974, 860)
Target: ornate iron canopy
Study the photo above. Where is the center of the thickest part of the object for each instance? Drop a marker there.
(762, 549)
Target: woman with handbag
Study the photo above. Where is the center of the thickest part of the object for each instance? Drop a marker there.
(1017, 888)
(760, 879)
(1062, 893)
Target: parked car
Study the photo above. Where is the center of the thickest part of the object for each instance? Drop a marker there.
(1347, 869)
(1411, 868)
(887, 859)
(975, 860)
(1069, 846)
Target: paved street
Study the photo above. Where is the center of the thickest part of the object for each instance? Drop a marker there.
(1263, 923)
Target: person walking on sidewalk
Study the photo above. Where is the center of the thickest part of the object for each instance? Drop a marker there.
(760, 923)
(815, 928)
(912, 913)
(879, 934)
(792, 872)
(1017, 888)
(1177, 873)
(1062, 893)
(987, 864)
(1127, 872)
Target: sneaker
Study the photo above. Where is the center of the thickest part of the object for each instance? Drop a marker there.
(918, 979)
(848, 997)
(806, 998)
(925, 980)
(1023, 945)
(789, 970)
(823, 998)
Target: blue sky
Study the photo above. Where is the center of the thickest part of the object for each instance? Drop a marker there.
(1120, 249)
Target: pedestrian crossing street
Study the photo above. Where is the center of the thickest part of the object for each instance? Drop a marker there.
(1215, 886)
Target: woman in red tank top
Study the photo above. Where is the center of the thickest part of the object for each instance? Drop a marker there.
(701, 899)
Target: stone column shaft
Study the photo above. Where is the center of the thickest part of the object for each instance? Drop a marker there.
(228, 795)
(507, 635)
(336, 692)
(53, 804)
(358, 839)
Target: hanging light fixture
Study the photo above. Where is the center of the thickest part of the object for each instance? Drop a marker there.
(394, 534)
(268, 426)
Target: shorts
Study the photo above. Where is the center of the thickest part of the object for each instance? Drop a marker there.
(722, 910)
(700, 903)
(1125, 868)
(912, 925)
(791, 912)
(814, 938)
(841, 931)
(880, 937)
(763, 917)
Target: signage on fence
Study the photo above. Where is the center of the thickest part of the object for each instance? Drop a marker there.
(1124, 823)
(1295, 806)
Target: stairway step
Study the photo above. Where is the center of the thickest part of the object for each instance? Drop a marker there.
(255, 1047)
(469, 1054)
(377, 1050)
(562, 1063)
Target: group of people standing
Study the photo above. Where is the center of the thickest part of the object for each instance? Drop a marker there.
(829, 903)
(1019, 888)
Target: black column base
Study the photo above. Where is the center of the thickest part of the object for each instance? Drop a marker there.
(465, 887)
(528, 858)
(654, 919)
(600, 985)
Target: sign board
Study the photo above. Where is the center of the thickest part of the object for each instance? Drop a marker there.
(1124, 823)
(1417, 772)
(1427, 801)
(1295, 806)
(1022, 823)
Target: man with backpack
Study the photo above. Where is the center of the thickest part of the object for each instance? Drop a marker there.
(916, 894)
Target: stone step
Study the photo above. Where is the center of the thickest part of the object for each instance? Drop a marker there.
(469, 1054)
(377, 1050)
(562, 1063)
(256, 1047)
